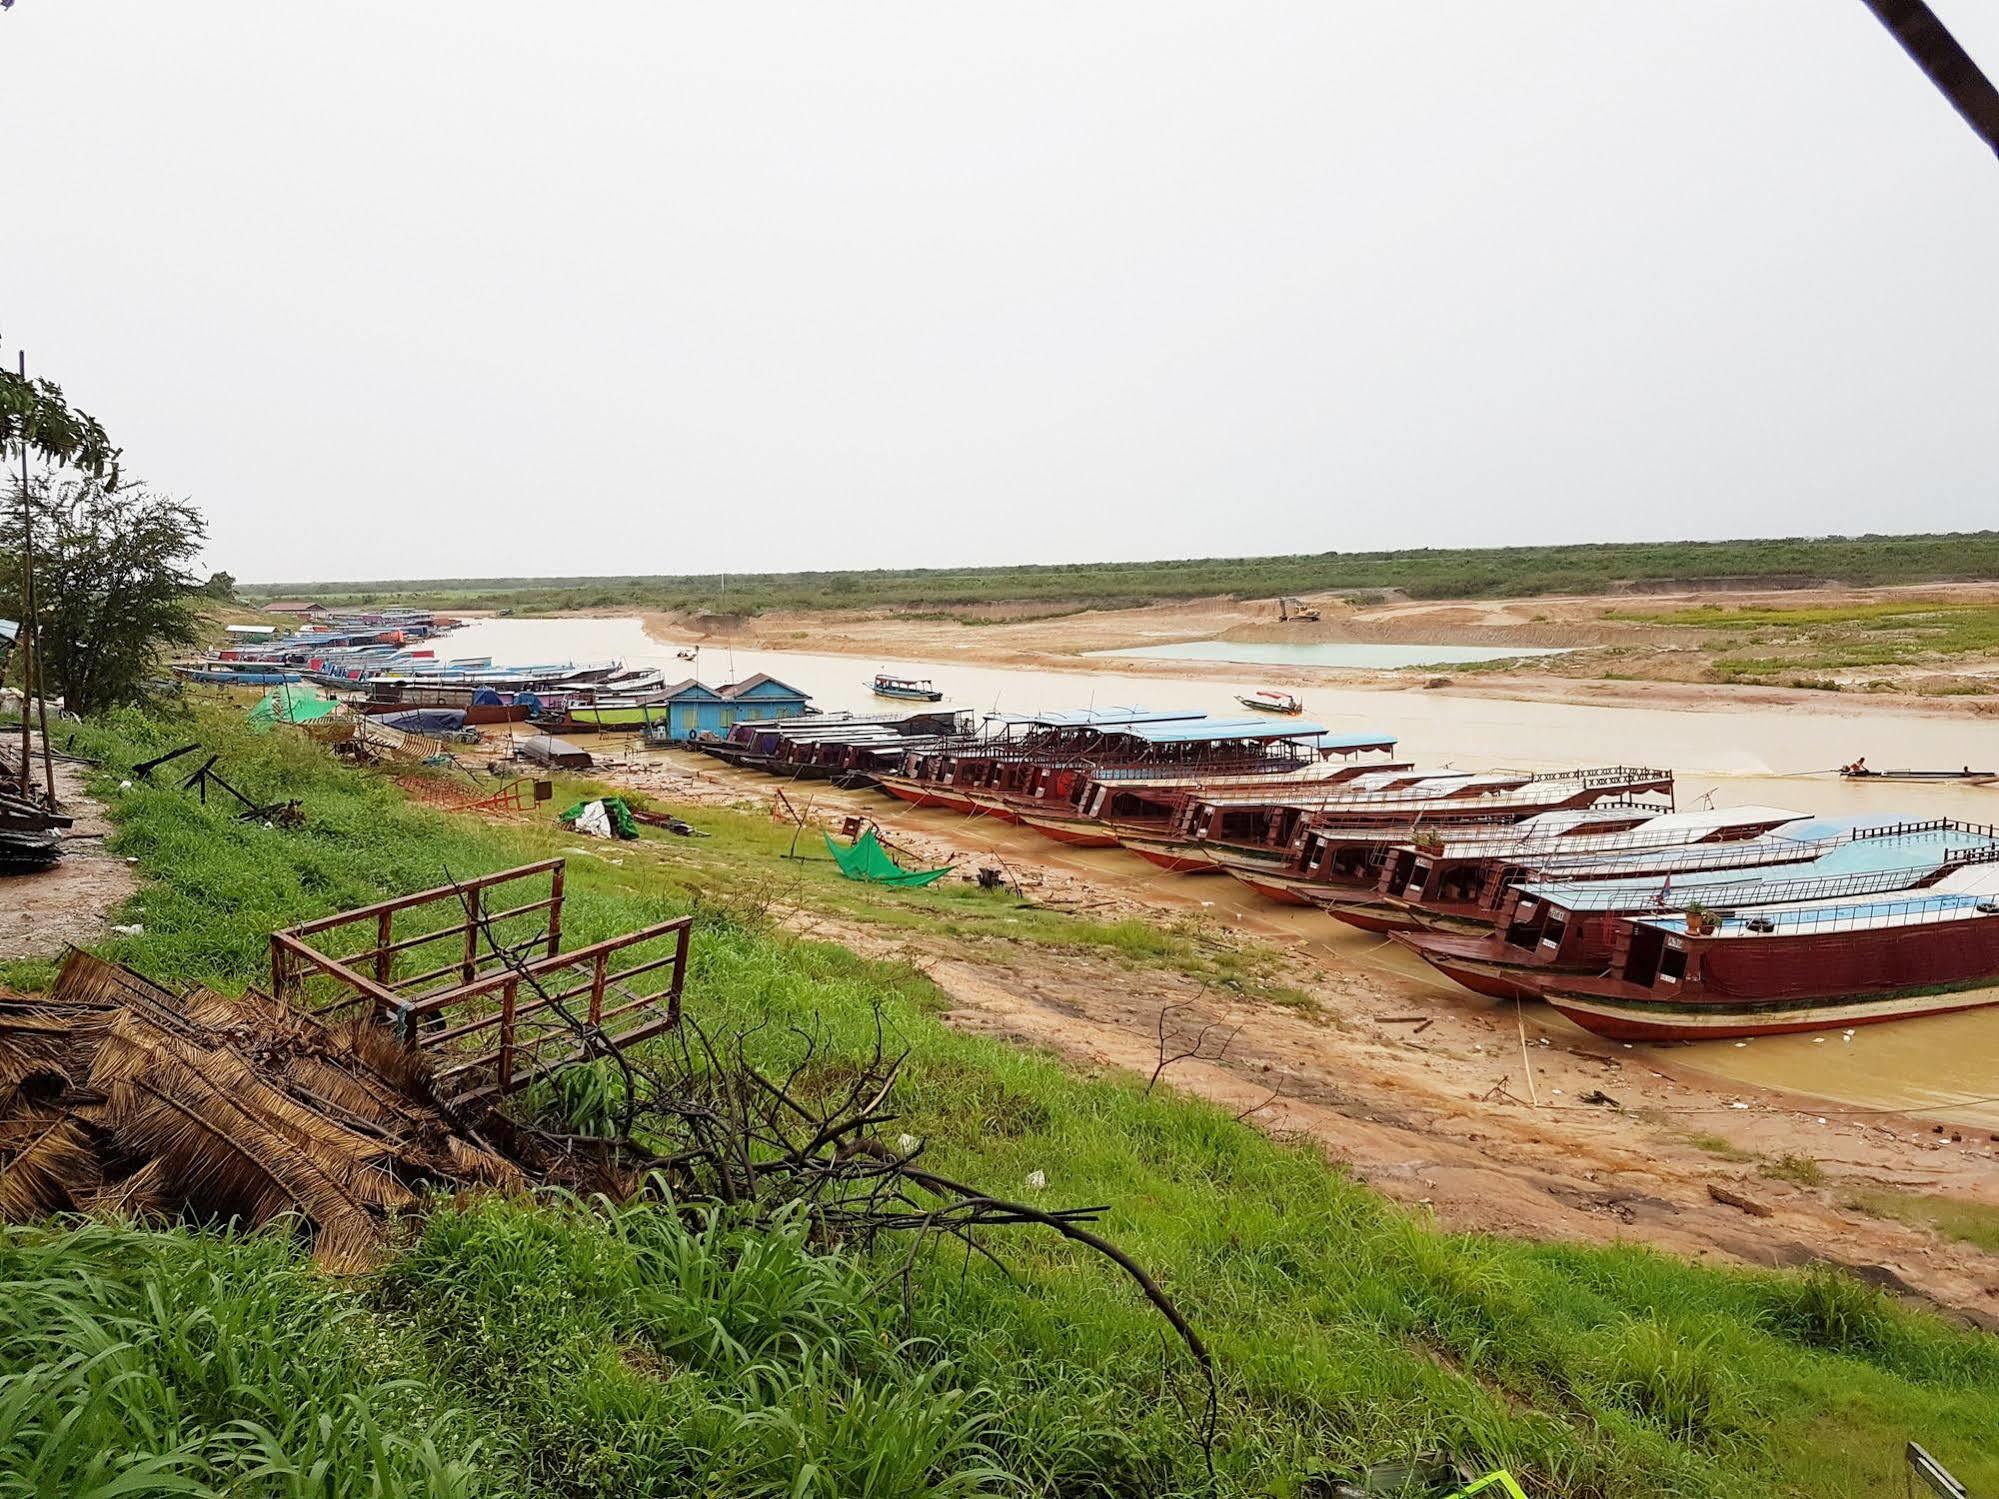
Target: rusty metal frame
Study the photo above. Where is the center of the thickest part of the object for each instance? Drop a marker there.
(494, 1025)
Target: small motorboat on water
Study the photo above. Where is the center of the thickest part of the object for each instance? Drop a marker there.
(1265, 700)
(1860, 771)
(917, 689)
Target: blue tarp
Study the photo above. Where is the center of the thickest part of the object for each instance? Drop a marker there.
(425, 720)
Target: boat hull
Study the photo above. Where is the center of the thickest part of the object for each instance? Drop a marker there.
(1172, 856)
(1493, 978)
(1272, 884)
(1368, 914)
(928, 794)
(1653, 1020)
(1076, 832)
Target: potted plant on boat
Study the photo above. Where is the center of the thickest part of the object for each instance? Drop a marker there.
(1698, 918)
(1429, 841)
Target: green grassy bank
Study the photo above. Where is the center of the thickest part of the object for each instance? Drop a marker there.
(549, 1347)
(1767, 644)
(1440, 573)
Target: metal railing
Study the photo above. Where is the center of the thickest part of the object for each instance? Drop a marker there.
(493, 1020)
(1887, 915)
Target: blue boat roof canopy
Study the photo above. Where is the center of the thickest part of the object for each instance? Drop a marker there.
(1200, 730)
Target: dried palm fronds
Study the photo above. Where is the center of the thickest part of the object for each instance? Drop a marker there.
(119, 1096)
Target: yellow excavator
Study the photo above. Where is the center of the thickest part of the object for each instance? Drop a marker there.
(1291, 611)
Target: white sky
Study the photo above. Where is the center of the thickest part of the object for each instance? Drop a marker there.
(422, 288)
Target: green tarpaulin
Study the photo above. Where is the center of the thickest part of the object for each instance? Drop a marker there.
(291, 704)
(868, 860)
(619, 814)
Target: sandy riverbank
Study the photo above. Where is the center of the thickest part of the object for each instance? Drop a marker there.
(1480, 1115)
(1610, 662)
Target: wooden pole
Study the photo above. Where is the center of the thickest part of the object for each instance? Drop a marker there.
(32, 675)
(27, 631)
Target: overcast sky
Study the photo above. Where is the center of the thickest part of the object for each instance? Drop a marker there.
(425, 288)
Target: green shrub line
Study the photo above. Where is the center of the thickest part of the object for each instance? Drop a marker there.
(550, 1346)
(1424, 573)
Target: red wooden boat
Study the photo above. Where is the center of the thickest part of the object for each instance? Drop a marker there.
(1555, 929)
(1451, 884)
(1334, 853)
(1811, 966)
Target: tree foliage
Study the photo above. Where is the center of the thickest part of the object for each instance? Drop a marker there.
(33, 412)
(220, 586)
(112, 586)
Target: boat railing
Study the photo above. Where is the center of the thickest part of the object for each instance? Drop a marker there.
(1604, 774)
(1748, 853)
(1731, 897)
(1926, 825)
(1558, 852)
(1520, 797)
(1919, 910)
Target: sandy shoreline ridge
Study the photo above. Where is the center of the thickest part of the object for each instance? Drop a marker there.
(1612, 662)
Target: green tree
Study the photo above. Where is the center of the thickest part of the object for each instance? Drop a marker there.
(112, 587)
(34, 415)
(220, 586)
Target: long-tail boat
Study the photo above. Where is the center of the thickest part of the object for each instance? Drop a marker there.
(947, 777)
(1096, 805)
(1257, 821)
(1334, 854)
(1445, 884)
(1551, 929)
(916, 688)
(1813, 965)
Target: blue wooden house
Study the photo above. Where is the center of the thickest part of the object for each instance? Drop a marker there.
(693, 710)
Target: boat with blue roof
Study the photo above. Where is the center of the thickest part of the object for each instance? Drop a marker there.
(1548, 930)
(1839, 961)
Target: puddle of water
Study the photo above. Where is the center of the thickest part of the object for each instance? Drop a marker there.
(1947, 1066)
(1366, 655)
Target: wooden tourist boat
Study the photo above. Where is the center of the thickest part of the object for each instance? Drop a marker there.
(917, 689)
(948, 776)
(1549, 930)
(1102, 802)
(218, 673)
(1266, 700)
(1442, 884)
(1048, 797)
(1334, 854)
(1814, 965)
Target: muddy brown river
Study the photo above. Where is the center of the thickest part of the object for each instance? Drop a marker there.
(1947, 1066)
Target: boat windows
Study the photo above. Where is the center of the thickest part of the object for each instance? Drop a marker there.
(1673, 965)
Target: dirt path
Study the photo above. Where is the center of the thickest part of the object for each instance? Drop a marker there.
(1420, 1090)
(42, 912)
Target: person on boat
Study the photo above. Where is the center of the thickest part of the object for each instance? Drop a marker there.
(1857, 768)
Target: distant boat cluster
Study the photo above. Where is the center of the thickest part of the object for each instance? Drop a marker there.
(1584, 888)
(383, 666)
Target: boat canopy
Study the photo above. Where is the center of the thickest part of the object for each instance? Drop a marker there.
(1965, 895)
(1097, 718)
(1200, 730)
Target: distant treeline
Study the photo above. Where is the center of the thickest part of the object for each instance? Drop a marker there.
(1424, 573)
